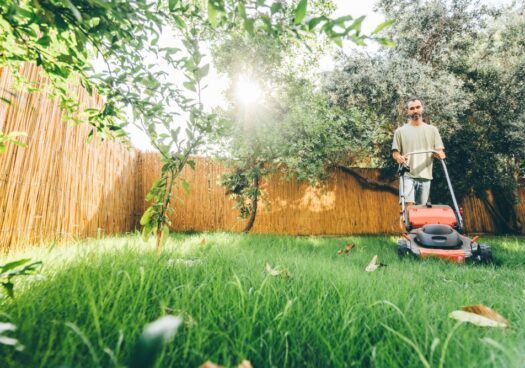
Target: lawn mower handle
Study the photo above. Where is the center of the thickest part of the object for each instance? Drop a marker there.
(454, 201)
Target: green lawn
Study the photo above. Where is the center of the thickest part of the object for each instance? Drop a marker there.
(98, 295)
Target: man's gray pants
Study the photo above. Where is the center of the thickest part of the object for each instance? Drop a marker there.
(417, 190)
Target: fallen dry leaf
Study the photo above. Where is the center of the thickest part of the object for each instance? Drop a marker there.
(185, 262)
(245, 364)
(210, 364)
(277, 272)
(203, 242)
(187, 319)
(271, 270)
(485, 311)
(346, 249)
(480, 315)
(475, 319)
(374, 264)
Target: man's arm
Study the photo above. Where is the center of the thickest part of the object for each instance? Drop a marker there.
(396, 147)
(438, 145)
(398, 157)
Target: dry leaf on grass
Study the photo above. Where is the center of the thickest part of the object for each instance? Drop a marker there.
(245, 364)
(271, 270)
(346, 249)
(277, 272)
(187, 319)
(184, 262)
(210, 364)
(203, 241)
(480, 315)
(374, 264)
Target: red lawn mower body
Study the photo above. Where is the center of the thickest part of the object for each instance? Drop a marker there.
(437, 230)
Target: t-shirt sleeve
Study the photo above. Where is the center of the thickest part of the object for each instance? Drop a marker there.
(396, 143)
(438, 142)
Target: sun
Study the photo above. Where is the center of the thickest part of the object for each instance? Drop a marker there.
(248, 91)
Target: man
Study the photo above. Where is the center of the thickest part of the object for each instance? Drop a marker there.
(416, 135)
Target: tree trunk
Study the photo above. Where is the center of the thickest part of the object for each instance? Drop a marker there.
(166, 202)
(253, 212)
(157, 240)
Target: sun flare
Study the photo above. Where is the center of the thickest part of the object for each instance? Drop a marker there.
(248, 91)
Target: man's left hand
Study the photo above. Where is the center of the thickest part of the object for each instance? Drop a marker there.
(440, 154)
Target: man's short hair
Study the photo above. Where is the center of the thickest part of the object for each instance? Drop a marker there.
(412, 99)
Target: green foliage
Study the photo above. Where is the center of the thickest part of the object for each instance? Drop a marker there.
(317, 136)
(63, 37)
(435, 32)
(300, 11)
(242, 184)
(11, 138)
(382, 84)
(274, 134)
(16, 269)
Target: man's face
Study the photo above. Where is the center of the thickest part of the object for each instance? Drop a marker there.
(414, 110)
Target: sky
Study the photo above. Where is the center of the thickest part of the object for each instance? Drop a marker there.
(213, 95)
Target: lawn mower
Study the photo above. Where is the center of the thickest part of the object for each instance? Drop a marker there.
(437, 230)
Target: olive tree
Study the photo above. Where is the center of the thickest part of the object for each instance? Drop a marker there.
(466, 63)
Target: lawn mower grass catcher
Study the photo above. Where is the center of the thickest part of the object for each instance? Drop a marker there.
(437, 230)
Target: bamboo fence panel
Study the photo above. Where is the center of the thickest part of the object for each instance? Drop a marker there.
(476, 217)
(340, 206)
(206, 207)
(59, 187)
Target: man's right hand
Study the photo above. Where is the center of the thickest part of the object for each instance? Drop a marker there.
(400, 159)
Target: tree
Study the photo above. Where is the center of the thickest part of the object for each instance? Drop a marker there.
(466, 63)
(63, 38)
(266, 137)
(435, 32)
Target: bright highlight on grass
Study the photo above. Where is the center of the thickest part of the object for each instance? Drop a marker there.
(248, 91)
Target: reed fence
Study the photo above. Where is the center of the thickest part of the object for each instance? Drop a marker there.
(340, 206)
(59, 187)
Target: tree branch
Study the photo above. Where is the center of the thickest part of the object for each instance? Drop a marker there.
(367, 182)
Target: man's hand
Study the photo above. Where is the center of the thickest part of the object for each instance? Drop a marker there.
(440, 154)
(399, 158)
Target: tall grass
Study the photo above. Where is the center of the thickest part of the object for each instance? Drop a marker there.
(99, 294)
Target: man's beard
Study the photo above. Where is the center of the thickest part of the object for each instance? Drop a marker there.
(414, 116)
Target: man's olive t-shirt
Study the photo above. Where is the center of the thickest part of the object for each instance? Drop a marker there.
(423, 137)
